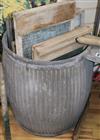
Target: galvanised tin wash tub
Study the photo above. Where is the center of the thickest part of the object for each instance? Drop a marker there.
(48, 98)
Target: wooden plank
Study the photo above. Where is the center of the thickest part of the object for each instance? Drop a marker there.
(81, 119)
(24, 43)
(60, 45)
(55, 54)
(30, 20)
(89, 40)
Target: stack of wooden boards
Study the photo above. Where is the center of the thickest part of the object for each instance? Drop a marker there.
(43, 33)
(60, 45)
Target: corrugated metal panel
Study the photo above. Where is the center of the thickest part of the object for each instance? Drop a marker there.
(90, 8)
(47, 97)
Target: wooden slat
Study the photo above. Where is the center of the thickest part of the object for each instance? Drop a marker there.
(60, 45)
(57, 53)
(90, 40)
(30, 20)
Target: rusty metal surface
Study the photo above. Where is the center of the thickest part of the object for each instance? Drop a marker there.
(47, 98)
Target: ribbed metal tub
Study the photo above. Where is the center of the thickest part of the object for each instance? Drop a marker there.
(47, 98)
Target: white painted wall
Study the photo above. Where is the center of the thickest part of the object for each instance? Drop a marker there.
(90, 9)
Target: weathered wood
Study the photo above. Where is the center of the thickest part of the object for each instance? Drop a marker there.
(30, 20)
(24, 43)
(13, 46)
(76, 131)
(57, 53)
(60, 45)
(89, 40)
